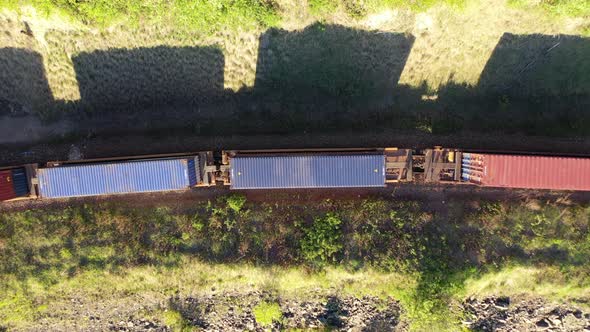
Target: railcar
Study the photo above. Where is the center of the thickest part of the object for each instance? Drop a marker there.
(342, 168)
(290, 169)
(110, 176)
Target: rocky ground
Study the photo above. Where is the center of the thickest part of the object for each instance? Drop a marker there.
(506, 314)
(235, 312)
(225, 311)
(134, 324)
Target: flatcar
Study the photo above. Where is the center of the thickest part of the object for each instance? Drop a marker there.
(344, 168)
(290, 169)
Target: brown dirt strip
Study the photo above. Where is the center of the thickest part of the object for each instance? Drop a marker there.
(435, 196)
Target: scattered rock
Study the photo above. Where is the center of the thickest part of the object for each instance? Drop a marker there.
(501, 314)
(135, 325)
(543, 323)
(75, 153)
(340, 313)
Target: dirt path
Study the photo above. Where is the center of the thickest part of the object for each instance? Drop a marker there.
(434, 196)
(179, 142)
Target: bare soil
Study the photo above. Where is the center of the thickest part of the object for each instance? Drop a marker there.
(225, 311)
(434, 196)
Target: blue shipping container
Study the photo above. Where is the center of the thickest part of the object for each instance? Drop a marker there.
(117, 177)
(19, 178)
(307, 171)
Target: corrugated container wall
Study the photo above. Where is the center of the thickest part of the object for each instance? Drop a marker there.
(13, 184)
(19, 178)
(534, 172)
(6, 187)
(117, 177)
(307, 171)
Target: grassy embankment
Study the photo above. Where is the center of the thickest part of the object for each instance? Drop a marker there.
(427, 259)
(208, 15)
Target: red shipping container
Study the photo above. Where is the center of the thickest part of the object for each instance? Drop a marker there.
(6, 186)
(534, 172)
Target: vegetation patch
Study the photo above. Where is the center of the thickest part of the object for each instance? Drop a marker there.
(207, 16)
(321, 242)
(174, 320)
(321, 8)
(267, 313)
(360, 9)
(563, 8)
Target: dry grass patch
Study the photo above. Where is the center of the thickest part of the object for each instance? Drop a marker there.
(548, 282)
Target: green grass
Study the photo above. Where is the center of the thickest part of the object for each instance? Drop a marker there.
(267, 313)
(202, 15)
(214, 15)
(420, 5)
(360, 9)
(321, 8)
(174, 320)
(559, 8)
(16, 305)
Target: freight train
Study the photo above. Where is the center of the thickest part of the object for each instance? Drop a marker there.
(290, 169)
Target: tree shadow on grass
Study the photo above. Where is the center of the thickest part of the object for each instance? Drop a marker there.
(24, 88)
(331, 78)
(533, 84)
(135, 81)
(326, 62)
(538, 65)
(324, 77)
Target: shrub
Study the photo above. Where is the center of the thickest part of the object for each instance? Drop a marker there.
(321, 242)
(236, 203)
